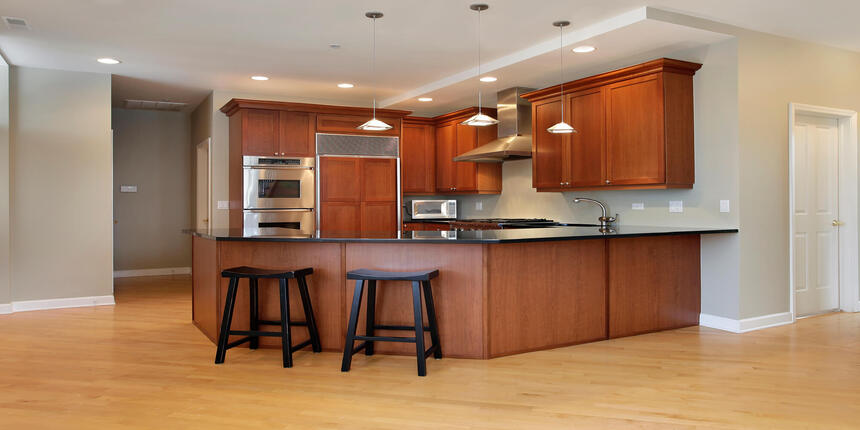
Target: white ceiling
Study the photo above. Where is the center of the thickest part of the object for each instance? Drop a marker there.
(179, 50)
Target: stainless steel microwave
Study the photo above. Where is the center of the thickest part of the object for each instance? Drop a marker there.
(434, 209)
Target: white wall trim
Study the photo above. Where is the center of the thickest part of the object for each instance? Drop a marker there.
(5, 308)
(69, 302)
(747, 324)
(849, 284)
(163, 271)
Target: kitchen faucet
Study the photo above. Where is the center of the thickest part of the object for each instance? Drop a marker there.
(605, 221)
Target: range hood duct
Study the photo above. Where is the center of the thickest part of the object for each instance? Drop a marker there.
(515, 131)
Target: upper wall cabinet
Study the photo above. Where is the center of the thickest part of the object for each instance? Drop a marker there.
(453, 139)
(418, 156)
(634, 130)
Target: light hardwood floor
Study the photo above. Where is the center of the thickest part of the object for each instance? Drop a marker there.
(142, 364)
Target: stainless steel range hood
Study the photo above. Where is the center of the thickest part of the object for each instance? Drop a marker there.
(515, 131)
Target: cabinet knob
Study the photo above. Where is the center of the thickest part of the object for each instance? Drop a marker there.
(608, 181)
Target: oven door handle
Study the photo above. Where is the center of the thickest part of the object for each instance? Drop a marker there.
(279, 167)
(278, 210)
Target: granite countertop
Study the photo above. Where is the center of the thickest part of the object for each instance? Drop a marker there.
(474, 236)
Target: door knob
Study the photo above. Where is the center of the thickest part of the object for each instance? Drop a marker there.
(837, 223)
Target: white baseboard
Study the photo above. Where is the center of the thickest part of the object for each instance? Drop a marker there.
(5, 308)
(163, 271)
(747, 324)
(70, 302)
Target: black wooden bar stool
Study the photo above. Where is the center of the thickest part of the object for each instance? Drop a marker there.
(419, 280)
(253, 335)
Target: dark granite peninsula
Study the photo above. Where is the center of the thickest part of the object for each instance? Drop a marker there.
(499, 292)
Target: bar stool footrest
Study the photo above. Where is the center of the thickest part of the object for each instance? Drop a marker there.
(386, 339)
(398, 327)
(278, 323)
(238, 342)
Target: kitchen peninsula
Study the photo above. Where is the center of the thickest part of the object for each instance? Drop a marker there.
(499, 292)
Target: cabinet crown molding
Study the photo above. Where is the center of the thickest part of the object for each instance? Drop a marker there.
(234, 105)
(654, 66)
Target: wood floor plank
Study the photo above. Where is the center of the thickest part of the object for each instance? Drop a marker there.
(141, 364)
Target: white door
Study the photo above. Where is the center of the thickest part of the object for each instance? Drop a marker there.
(203, 186)
(816, 239)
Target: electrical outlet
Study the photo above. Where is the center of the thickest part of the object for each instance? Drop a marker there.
(223, 204)
(638, 206)
(479, 205)
(724, 206)
(676, 206)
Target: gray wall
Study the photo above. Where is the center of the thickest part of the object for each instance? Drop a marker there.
(61, 199)
(5, 267)
(151, 152)
(201, 129)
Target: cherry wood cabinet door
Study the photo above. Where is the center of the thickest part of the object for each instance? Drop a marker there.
(340, 219)
(446, 141)
(548, 153)
(379, 219)
(418, 159)
(635, 143)
(348, 124)
(378, 179)
(466, 171)
(340, 179)
(260, 132)
(297, 134)
(587, 156)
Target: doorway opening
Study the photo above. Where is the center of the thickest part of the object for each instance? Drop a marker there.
(823, 210)
(203, 184)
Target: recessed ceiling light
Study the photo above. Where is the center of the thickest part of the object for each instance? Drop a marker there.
(584, 49)
(260, 78)
(107, 60)
(345, 85)
(425, 99)
(489, 79)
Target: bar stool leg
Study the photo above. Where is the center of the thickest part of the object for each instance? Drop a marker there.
(226, 320)
(419, 328)
(370, 316)
(309, 314)
(286, 341)
(255, 312)
(431, 317)
(350, 330)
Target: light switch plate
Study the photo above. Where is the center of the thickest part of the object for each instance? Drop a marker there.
(676, 206)
(479, 205)
(724, 206)
(223, 204)
(128, 188)
(638, 206)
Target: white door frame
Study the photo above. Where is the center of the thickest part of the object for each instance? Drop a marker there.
(206, 143)
(847, 235)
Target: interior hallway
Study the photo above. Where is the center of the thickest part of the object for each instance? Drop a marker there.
(142, 364)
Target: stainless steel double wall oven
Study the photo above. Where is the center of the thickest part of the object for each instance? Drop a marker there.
(278, 196)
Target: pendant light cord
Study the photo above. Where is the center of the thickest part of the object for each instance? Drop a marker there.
(373, 64)
(479, 61)
(561, 66)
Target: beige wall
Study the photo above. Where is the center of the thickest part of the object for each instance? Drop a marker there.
(5, 267)
(201, 129)
(151, 152)
(61, 184)
(774, 72)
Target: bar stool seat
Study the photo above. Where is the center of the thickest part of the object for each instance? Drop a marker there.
(420, 281)
(253, 334)
(380, 275)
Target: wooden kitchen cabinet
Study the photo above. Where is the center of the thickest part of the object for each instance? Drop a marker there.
(452, 139)
(297, 134)
(268, 133)
(418, 156)
(358, 195)
(634, 130)
(426, 226)
(348, 124)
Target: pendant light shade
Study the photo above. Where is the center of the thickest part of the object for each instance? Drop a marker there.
(374, 124)
(561, 127)
(479, 119)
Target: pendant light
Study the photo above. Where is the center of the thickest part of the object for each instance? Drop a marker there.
(562, 127)
(374, 124)
(479, 119)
